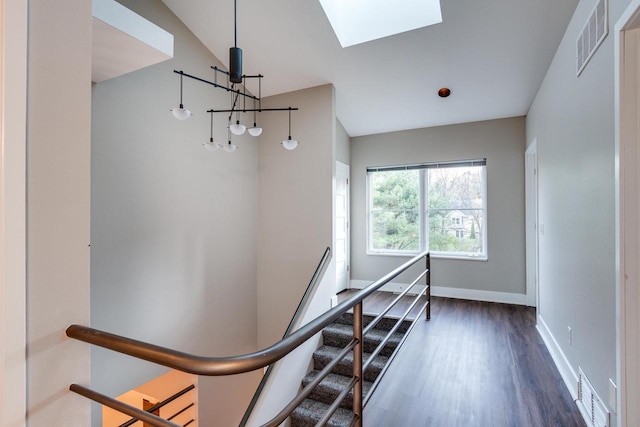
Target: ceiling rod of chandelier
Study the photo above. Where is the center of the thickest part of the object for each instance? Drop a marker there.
(250, 110)
(236, 91)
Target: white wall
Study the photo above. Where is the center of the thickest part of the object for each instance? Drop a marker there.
(295, 207)
(342, 144)
(58, 185)
(573, 121)
(13, 138)
(173, 225)
(501, 142)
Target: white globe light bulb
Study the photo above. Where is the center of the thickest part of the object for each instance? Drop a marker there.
(255, 131)
(181, 113)
(230, 148)
(290, 144)
(211, 146)
(237, 128)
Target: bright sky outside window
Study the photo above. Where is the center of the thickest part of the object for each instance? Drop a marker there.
(359, 21)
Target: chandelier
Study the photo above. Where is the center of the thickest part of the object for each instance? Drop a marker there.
(235, 84)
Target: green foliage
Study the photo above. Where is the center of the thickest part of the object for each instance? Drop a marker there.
(395, 204)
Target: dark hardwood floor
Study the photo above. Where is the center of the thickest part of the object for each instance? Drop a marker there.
(472, 364)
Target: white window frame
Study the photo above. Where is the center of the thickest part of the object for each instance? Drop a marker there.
(423, 211)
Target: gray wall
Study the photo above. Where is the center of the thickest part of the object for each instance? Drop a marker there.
(573, 121)
(502, 143)
(173, 226)
(295, 204)
(58, 174)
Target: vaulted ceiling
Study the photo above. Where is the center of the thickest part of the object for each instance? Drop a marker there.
(493, 54)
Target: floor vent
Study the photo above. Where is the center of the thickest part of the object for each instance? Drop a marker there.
(593, 33)
(596, 413)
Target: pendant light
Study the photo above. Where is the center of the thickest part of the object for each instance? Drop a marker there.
(290, 144)
(255, 130)
(229, 147)
(180, 112)
(210, 145)
(236, 128)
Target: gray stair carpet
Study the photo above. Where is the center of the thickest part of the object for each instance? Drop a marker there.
(335, 337)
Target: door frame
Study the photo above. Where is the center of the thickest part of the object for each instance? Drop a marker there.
(627, 207)
(531, 223)
(343, 169)
(13, 116)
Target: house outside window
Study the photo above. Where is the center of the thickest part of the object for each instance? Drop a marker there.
(435, 206)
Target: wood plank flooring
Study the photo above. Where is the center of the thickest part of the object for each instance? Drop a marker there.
(472, 364)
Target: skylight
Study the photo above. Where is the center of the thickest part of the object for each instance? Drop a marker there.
(359, 21)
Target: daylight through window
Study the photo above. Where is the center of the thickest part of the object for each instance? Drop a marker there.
(435, 206)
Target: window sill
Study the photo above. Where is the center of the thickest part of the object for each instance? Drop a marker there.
(483, 258)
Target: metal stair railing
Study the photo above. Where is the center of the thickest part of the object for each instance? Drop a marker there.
(313, 283)
(217, 366)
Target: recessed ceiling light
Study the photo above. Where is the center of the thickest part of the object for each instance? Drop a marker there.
(444, 92)
(356, 22)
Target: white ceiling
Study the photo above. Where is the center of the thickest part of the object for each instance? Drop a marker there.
(493, 54)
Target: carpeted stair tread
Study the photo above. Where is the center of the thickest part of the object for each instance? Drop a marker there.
(339, 335)
(335, 337)
(331, 386)
(309, 412)
(386, 323)
(325, 354)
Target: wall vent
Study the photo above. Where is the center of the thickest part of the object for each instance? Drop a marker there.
(596, 414)
(595, 30)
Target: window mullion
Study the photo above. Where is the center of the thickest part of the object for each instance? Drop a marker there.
(424, 215)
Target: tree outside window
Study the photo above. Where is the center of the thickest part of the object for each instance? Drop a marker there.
(440, 207)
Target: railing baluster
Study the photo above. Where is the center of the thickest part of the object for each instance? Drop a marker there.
(357, 363)
(428, 282)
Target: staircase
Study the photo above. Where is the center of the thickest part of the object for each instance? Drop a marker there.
(335, 337)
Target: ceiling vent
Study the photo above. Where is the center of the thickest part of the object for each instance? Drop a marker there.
(593, 33)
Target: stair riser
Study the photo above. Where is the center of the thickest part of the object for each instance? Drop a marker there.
(309, 413)
(341, 341)
(385, 324)
(328, 394)
(345, 368)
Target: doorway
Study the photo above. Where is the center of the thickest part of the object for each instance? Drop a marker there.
(341, 246)
(627, 92)
(531, 221)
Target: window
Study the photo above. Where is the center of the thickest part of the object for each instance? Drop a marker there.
(435, 206)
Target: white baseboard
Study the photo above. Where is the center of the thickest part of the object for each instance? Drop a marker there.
(447, 292)
(567, 373)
